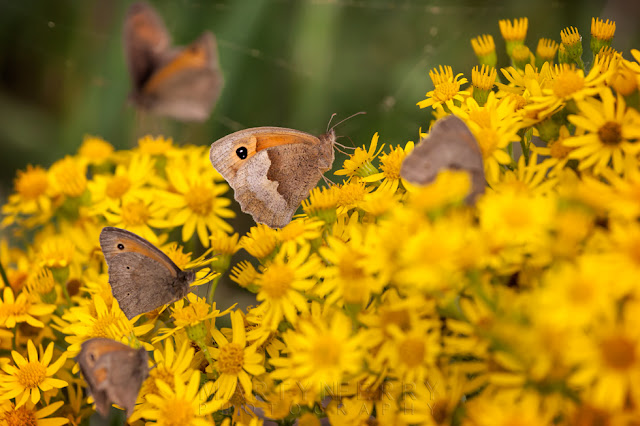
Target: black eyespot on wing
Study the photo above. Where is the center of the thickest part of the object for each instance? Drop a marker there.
(120, 246)
(242, 152)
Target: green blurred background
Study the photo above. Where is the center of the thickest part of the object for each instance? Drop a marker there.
(288, 63)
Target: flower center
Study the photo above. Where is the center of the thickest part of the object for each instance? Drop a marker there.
(277, 280)
(102, 325)
(351, 194)
(12, 309)
(618, 352)
(31, 183)
(349, 267)
(177, 412)
(610, 133)
(32, 374)
(412, 351)
(567, 83)
(118, 186)
(20, 417)
(200, 200)
(231, 359)
(398, 317)
(446, 91)
(559, 150)
(391, 163)
(326, 352)
(135, 213)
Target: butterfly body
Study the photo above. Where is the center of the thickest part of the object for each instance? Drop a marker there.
(272, 169)
(114, 372)
(182, 83)
(142, 278)
(450, 145)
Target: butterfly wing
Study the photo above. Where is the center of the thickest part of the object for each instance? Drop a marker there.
(113, 371)
(127, 370)
(187, 85)
(142, 278)
(450, 145)
(146, 41)
(281, 166)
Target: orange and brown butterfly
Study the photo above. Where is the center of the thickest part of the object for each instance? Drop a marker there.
(142, 277)
(183, 83)
(114, 373)
(449, 145)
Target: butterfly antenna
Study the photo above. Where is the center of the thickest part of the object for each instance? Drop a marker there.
(328, 181)
(344, 146)
(330, 119)
(342, 121)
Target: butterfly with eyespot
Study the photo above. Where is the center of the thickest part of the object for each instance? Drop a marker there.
(183, 83)
(450, 145)
(272, 169)
(114, 373)
(142, 277)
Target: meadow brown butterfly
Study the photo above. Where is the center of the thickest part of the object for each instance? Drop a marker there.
(450, 145)
(182, 83)
(114, 373)
(272, 169)
(142, 277)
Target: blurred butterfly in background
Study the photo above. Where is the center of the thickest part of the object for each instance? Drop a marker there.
(450, 145)
(179, 82)
(114, 373)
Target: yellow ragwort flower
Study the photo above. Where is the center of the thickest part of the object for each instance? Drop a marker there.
(95, 150)
(447, 89)
(485, 49)
(514, 32)
(69, 177)
(29, 377)
(10, 415)
(15, 310)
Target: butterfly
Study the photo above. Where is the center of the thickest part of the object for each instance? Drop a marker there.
(114, 373)
(183, 83)
(142, 277)
(450, 145)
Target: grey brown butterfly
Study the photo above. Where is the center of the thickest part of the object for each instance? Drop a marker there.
(114, 373)
(183, 83)
(272, 169)
(450, 145)
(142, 277)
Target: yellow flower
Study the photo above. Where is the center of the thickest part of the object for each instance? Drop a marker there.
(195, 313)
(69, 177)
(546, 51)
(508, 408)
(10, 415)
(138, 216)
(244, 274)
(155, 146)
(169, 364)
(18, 310)
(350, 195)
(485, 49)
(180, 403)
(27, 378)
(196, 203)
(223, 243)
(95, 150)
(98, 320)
(359, 163)
(607, 358)
(568, 84)
(322, 203)
(449, 187)
(447, 89)
(390, 165)
(557, 152)
(601, 33)
(300, 231)
(126, 182)
(260, 241)
(611, 133)
(351, 277)
(56, 252)
(32, 198)
(513, 33)
(235, 361)
(321, 354)
(282, 283)
(43, 284)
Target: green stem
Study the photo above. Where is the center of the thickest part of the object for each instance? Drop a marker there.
(206, 353)
(580, 63)
(4, 276)
(66, 294)
(214, 286)
(525, 150)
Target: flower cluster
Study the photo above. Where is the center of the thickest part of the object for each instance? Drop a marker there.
(382, 300)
